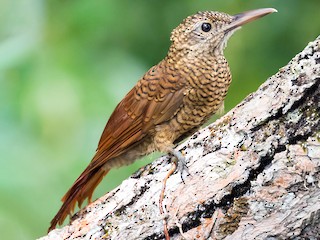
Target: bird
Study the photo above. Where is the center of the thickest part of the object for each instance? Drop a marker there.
(169, 103)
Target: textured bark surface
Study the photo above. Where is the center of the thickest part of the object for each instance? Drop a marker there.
(254, 173)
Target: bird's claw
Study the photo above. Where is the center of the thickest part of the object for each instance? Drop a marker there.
(180, 161)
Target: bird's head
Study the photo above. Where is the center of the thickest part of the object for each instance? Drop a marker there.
(209, 31)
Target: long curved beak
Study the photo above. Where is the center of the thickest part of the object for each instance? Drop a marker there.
(245, 17)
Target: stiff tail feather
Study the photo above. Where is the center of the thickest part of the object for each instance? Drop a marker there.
(82, 188)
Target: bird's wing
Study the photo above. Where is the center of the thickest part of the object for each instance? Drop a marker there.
(154, 100)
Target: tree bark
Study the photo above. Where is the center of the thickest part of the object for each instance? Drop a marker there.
(254, 173)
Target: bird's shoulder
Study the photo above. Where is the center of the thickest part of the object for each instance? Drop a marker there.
(155, 98)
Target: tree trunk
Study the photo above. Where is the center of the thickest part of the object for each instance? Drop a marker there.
(254, 173)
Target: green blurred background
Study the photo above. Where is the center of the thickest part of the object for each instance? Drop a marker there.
(64, 65)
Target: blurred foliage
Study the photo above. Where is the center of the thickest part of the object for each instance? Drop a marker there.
(64, 65)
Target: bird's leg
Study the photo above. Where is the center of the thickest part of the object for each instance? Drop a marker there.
(163, 142)
(180, 161)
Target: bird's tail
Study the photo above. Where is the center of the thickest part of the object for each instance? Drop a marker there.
(82, 188)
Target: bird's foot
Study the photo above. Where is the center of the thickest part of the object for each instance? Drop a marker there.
(180, 161)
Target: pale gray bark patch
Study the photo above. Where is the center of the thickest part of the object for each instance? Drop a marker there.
(254, 173)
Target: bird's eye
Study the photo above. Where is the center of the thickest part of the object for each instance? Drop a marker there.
(206, 27)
